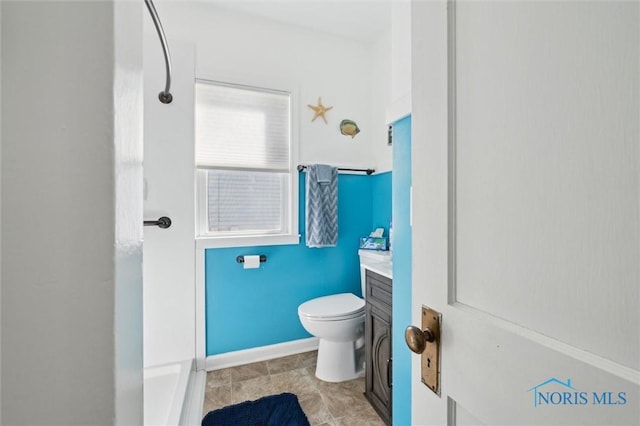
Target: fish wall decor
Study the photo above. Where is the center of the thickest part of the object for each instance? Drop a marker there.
(349, 128)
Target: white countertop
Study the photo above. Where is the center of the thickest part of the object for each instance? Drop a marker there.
(379, 262)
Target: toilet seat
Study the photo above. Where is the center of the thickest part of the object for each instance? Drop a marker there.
(336, 307)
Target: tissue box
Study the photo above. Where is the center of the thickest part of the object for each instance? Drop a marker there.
(374, 243)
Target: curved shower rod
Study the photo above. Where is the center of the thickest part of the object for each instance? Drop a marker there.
(165, 97)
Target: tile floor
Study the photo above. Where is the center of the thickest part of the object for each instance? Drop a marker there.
(325, 404)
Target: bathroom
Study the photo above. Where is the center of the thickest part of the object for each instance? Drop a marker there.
(525, 241)
(348, 63)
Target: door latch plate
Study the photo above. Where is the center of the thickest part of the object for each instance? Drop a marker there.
(430, 358)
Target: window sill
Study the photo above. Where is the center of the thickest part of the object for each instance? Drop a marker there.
(246, 241)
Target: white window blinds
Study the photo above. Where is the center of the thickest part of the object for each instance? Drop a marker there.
(243, 159)
(242, 127)
(246, 202)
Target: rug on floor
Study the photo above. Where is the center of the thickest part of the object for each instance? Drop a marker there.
(274, 410)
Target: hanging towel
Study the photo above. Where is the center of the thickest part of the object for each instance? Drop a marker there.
(322, 206)
(324, 173)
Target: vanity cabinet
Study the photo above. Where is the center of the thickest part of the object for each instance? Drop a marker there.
(378, 344)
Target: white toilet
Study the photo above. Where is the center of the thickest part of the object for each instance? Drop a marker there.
(338, 321)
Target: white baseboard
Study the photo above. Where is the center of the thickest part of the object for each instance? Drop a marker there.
(263, 353)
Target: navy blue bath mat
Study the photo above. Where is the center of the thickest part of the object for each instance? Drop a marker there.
(274, 410)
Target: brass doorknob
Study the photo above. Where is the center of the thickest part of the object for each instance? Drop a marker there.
(417, 339)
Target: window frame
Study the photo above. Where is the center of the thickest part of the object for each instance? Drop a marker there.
(204, 240)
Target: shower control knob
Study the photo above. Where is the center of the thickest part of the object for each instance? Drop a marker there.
(164, 222)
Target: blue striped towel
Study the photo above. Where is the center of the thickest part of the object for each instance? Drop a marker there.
(322, 206)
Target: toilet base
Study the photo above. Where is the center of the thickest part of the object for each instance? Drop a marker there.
(339, 361)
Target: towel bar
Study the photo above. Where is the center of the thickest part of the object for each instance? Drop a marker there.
(301, 167)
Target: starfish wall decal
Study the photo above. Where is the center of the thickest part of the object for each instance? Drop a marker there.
(319, 110)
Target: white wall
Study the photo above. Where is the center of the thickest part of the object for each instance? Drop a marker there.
(169, 256)
(380, 101)
(126, 181)
(401, 54)
(71, 212)
(400, 105)
(233, 46)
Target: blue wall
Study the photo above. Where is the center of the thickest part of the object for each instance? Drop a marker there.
(401, 315)
(381, 202)
(257, 307)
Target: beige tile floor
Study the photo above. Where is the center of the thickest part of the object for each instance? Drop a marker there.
(325, 404)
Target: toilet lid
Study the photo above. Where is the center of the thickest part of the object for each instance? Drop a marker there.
(336, 305)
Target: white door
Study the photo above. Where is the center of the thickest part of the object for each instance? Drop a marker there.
(526, 210)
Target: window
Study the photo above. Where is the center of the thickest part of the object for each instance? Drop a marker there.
(244, 162)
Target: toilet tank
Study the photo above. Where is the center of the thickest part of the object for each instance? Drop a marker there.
(375, 260)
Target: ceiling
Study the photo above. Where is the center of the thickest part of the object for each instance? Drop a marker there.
(362, 20)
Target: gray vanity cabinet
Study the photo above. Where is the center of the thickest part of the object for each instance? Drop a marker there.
(378, 344)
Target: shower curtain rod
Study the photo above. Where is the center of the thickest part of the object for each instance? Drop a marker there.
(301, 167)
(165, 97)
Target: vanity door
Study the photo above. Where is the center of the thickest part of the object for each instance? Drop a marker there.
(378, 344)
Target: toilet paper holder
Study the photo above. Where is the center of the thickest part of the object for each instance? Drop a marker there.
(240, 259)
